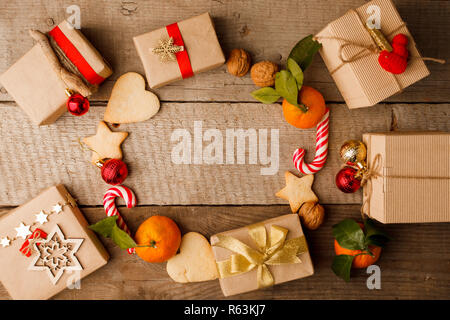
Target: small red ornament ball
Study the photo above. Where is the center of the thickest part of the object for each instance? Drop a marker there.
(346, 180)
(77, 104)
(114, 171)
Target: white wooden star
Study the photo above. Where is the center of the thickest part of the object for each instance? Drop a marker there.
(23, 231)
(57, 208)
(5, 242)
(56, 255)
(41, 217)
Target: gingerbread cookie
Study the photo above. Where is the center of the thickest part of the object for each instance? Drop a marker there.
(297, 190)
(195, 262)
(129, 101)
(105, 144)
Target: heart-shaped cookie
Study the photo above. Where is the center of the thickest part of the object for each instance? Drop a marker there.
(129, 101)
(195, 262)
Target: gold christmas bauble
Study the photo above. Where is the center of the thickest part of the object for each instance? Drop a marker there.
(353, 151)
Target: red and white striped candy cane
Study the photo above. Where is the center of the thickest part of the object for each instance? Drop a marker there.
(321, 149)
(110, 205)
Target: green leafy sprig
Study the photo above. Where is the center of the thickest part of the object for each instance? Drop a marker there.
(349, 235)
(109, 229)
(288, 82)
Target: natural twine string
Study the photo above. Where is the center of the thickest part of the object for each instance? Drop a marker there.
(84, 147)
(373, 172)
(29, 249)
(70, 201)
(368, 49)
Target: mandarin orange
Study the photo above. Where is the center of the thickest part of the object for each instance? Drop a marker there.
(308, 98)
(158, 239)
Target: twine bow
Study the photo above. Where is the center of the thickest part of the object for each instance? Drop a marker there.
(36, 237)
(273, 249)
(372, 49)
(369, 173)
(373, 171)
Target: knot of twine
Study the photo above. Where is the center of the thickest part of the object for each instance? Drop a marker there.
(369, 173)
(372, 171)
(34, 238)
(366, 174)
(63, 67)
(368, 49)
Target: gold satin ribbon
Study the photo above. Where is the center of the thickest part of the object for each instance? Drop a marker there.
(273, 249)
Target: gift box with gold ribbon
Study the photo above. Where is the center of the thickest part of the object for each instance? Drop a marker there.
(261, 255)
(351, 46)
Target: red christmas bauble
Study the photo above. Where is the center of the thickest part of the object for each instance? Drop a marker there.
(346, 180)
(77, 104)
(114, 171)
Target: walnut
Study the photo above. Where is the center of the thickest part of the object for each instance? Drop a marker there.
(312, 215)
(238, 62)
(263, 73)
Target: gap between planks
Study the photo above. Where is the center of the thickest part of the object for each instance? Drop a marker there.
(406, 273)
(147, 148)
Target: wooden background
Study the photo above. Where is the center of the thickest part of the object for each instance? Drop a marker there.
(211, 198)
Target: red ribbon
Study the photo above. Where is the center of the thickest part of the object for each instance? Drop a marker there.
(75, 56)
(37, 233)
(182, 56)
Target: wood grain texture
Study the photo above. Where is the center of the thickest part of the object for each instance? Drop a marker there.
(411, 267)
(34, 158)
(414, 266)
(268, 30)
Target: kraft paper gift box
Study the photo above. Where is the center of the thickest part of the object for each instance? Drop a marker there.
(38, 89)
(414, 177)
(248, 281)
(363, 82)
(202, 50)
(25, 278)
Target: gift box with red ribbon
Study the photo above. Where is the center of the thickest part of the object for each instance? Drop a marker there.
(39, 89)
(179, 50)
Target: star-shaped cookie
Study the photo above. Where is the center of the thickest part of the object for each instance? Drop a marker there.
(297, 190)
(105, 144)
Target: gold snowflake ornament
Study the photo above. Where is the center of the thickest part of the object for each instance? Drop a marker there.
(166, 50)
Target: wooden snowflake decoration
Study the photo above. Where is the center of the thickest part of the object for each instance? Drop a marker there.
(56, 254)
(166, 50)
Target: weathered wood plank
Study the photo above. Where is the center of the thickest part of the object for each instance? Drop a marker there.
(266, 29)
(411, 266)
(421, 117)
(33, 158)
